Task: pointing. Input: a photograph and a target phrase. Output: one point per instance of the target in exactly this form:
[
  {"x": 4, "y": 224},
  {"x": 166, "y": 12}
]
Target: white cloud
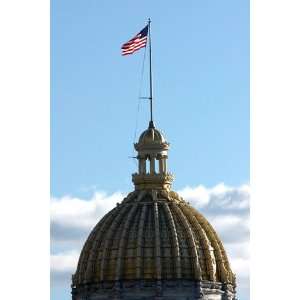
[
  {"x": 80, "y": 212},
  {"x": 240, "y": 266},
  {"x": 73, "y": 218},
  {"x": 199, "y": 196},
  {"x": 226, "y": 208},
  {"x": 64, "y": 262},
  {"x": 238, "y": 249},
  {"x": 219, "y": 197}
]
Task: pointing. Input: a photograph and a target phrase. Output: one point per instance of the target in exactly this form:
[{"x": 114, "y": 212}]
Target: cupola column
[
  {"x": 161, "y": 166},
  {"x": 164, "y": 164},
  {"x": 152, "y": 164},
  {"x": 142, "y": 165}
]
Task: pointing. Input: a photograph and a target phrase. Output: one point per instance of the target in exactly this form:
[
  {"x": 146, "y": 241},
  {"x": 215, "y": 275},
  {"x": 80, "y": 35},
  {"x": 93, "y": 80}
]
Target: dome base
[{"x": 158, "y": 290}]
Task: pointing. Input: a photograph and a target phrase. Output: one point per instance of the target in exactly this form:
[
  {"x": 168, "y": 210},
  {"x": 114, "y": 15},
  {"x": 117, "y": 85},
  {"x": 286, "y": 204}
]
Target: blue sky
[
  {"x": 201, "y": 93},
  {"x": 201, "y": 90}
]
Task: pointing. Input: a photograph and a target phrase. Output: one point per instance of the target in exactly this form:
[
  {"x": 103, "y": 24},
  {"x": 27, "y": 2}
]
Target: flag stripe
[
  {"x": 135, "y": 46},
  {"x": 132, "y": 51},
  {"x": 134, "y": 41},
  {"x": 137, "y": 42}
]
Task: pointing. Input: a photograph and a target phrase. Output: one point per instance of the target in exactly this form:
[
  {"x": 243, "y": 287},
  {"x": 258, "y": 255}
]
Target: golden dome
[{"x": 153, "y": 235}]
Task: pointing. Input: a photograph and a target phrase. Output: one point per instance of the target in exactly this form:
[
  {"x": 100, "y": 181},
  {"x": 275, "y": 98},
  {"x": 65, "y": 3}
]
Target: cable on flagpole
[{"x": 139, "y": 101}]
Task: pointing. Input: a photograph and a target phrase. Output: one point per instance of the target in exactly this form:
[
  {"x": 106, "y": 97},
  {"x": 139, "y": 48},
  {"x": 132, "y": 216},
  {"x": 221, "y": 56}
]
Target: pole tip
[{"x": 151, "y": 124}]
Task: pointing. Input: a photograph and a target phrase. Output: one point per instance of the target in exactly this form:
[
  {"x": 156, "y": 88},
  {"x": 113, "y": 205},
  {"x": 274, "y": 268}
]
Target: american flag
[{"x": 136, "y": 43}]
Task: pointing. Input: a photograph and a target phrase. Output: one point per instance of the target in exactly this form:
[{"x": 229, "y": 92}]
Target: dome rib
[
  {"x": 125, "y": 232},
  {"x": 139, "y": 243},
  {"x": 90, "y": 258},
  {"x": 100, "y": 241},
  {"x": 107, "y": 238},
  {"x": 93, "y": 243},
  {"x": 192, "y": 245},
  {"x": 223, "y": 273},
  {"x": 204, "y": 241},
  {"x": 176, "y": 250},
  {"x": 224, "y": 255},
  {"x": 157, "y": 241}
]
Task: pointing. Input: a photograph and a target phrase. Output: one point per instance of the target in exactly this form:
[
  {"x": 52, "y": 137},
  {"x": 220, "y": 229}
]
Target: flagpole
[{"x": 150, "y": 76}]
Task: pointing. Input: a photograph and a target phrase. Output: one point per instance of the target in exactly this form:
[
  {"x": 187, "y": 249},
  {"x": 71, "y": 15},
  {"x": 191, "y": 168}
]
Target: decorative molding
[{"x": 152, "y": 181}]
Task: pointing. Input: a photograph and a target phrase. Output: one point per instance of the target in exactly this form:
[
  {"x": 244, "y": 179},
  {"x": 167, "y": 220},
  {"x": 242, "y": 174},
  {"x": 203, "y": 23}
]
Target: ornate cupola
[{"x": 152, "y": 149}]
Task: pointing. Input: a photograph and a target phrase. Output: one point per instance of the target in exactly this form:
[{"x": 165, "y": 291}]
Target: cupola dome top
[{"x": 151, "y": 136}]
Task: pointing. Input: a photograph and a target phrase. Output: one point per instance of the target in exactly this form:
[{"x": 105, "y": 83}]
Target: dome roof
[
  {"x": 153, "y": 235},
  {"x": 151, "y": 136}
]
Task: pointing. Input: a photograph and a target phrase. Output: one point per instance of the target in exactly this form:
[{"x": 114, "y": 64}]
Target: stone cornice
[
  {"x": 154, "y": 146},
  {"x": 152, "y": 181}
]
